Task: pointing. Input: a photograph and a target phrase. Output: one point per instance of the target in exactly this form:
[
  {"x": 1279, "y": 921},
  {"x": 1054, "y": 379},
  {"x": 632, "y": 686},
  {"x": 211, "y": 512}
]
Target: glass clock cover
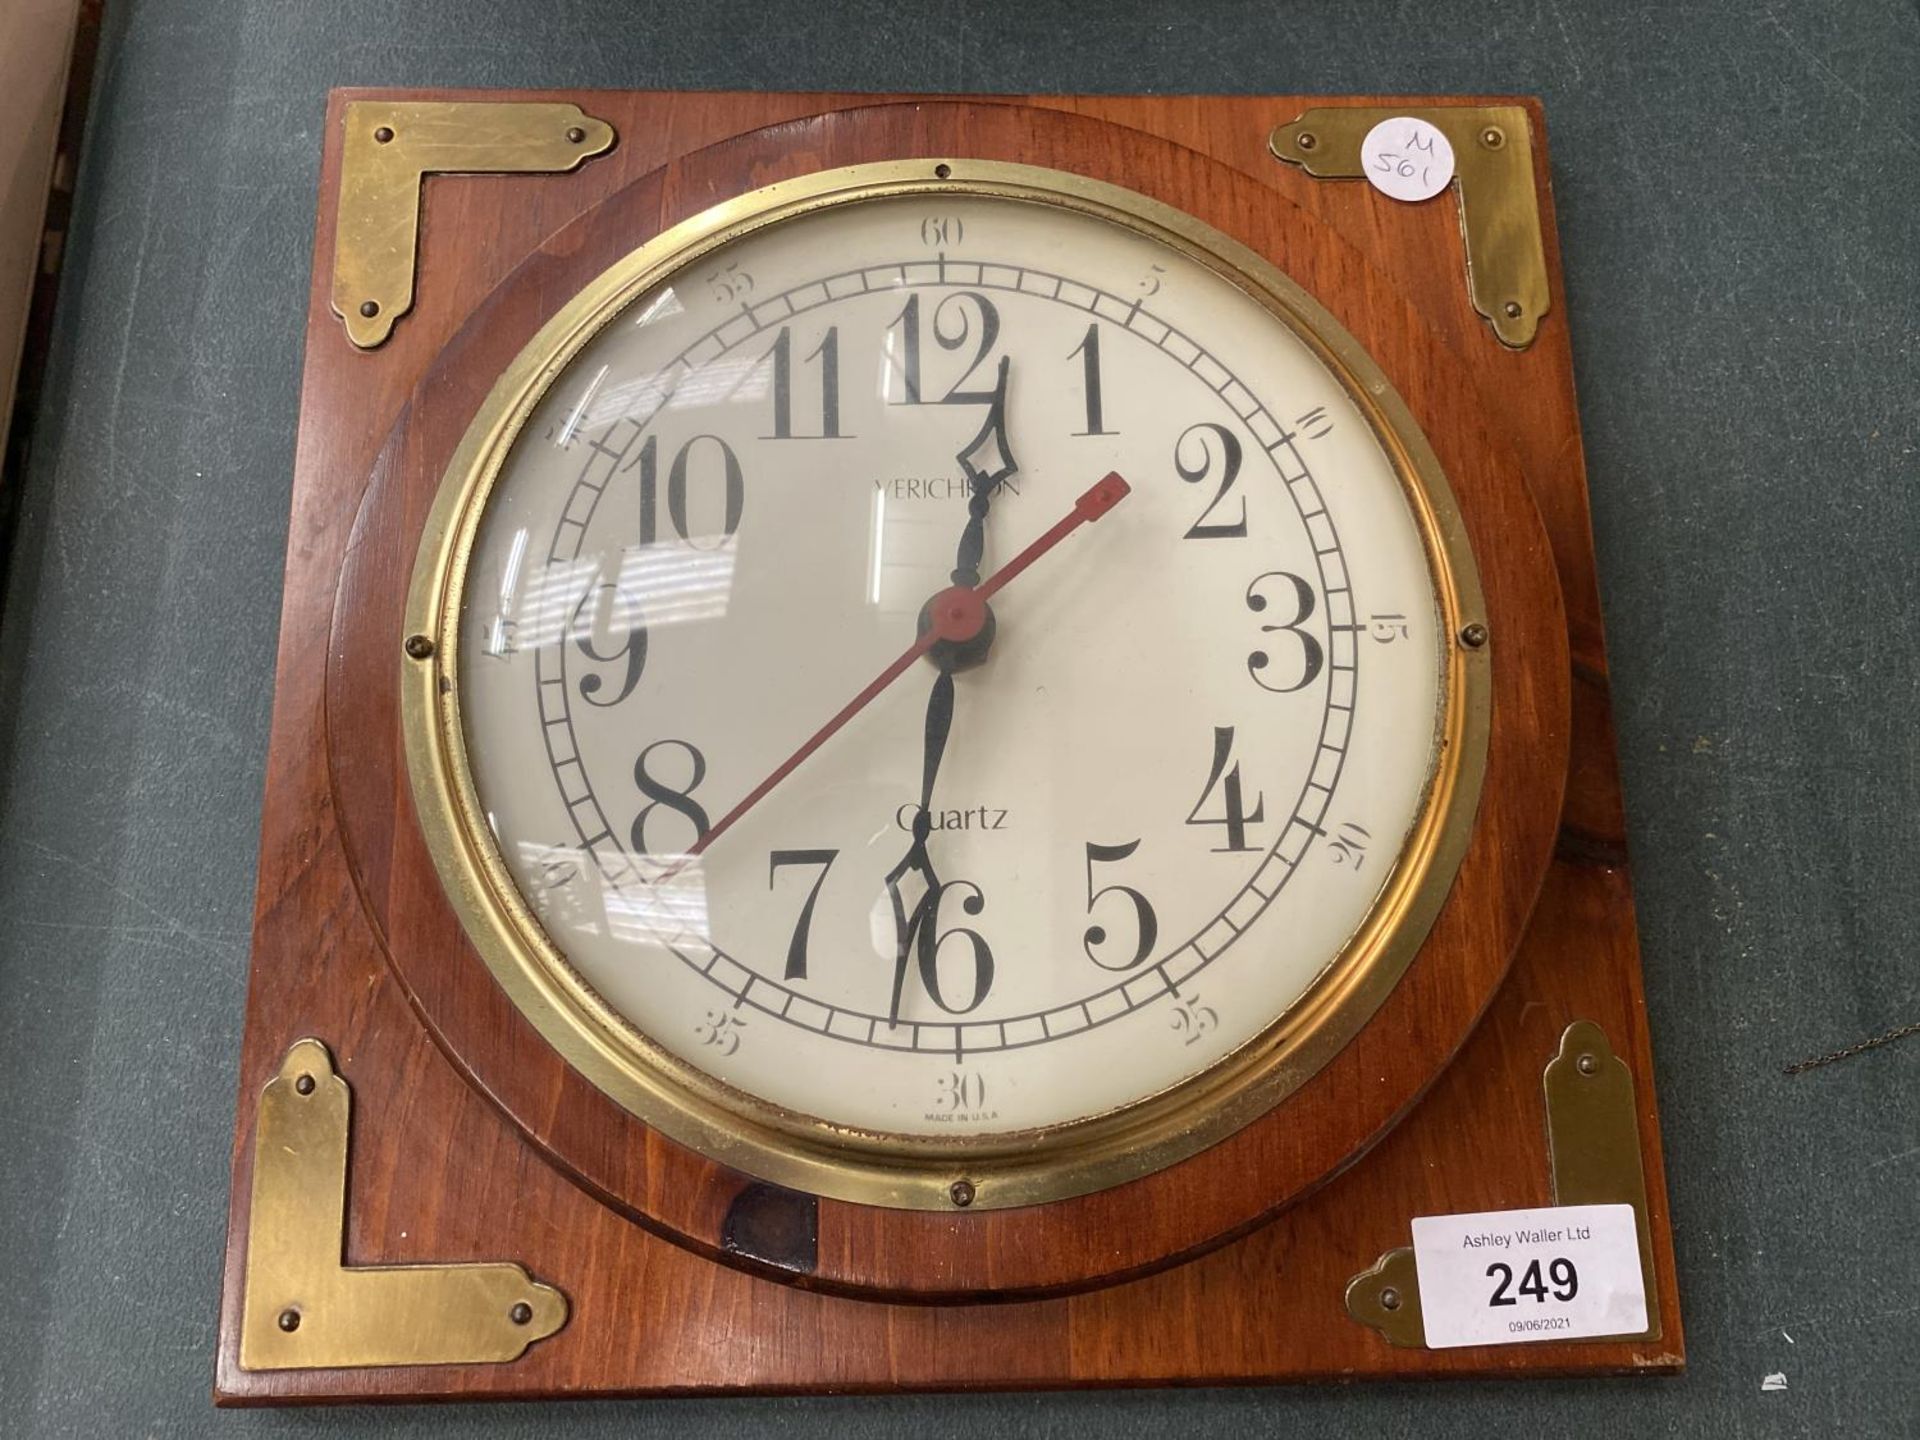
[{"x": 1095, "y": 832}]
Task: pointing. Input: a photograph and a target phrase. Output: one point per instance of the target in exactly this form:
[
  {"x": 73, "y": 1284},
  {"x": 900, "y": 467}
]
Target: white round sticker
[{"x": 1407, "y": 158}]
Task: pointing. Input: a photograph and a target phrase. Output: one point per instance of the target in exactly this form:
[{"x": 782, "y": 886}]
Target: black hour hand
[
  {"x": 988, "y": 458},
  {"x": 987, "y": 462}
]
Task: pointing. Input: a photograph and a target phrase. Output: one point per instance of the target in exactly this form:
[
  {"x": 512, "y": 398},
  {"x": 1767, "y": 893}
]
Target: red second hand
[{"x": 957, "y": 615}]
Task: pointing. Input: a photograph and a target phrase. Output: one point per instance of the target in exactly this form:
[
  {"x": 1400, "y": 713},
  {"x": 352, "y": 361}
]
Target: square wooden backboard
[{"x": 437, "y": 1174}]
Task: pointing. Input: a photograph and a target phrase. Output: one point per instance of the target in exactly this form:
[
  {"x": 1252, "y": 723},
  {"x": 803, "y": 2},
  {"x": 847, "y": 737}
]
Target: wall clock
[{"x": 916, "y": 737}]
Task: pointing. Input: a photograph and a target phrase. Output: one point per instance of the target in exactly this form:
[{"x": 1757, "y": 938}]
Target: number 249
[{"x": 1564, "y": 1279}]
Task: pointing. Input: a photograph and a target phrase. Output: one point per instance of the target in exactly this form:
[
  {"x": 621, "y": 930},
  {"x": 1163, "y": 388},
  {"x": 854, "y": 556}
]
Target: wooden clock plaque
[{"x": 512, "y": 1124}]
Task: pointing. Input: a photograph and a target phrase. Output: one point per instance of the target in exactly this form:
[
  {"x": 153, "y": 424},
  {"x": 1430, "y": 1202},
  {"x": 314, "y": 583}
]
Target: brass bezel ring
[{"x": 902, "y": 1171}]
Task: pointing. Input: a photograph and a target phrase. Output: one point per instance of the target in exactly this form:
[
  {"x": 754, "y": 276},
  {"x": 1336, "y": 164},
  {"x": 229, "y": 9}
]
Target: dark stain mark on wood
[
  {"x": 775, "y": 1226},
  {"x": 1583, "y": 847}
]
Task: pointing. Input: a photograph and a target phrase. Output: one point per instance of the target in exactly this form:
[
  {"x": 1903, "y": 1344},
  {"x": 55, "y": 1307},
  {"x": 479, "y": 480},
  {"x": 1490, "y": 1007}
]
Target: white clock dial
[{"x": 1166, "y": 796}]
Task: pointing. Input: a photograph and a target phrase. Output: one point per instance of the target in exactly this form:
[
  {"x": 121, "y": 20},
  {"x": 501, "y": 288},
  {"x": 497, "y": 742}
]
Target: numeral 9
[{"x": 605, "y": 610}]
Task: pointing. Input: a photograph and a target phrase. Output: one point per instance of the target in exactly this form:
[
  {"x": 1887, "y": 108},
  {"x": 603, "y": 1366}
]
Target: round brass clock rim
[{"x": 803, "y": 1152}]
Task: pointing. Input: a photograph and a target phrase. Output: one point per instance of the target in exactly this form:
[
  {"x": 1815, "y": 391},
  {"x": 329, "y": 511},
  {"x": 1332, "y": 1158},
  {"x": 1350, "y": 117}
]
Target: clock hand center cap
[
  {"x": 958, "y": 613},
  {"x": 963, "y": 623}
]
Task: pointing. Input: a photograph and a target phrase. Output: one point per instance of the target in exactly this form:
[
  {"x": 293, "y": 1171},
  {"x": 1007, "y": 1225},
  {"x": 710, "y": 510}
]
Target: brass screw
[
  {"x": 1306, "y": 140},
  {"x": 289, "y": 1320},
  {"x": 521, "y": 1313},
  {"x": 1389, "y": 1299},
  {"x": 1473, "y": 636},
  {"x": 304, "y": 1084},
  {"x": 369, "y": 308},
  {"x": 1493, "y": 137},
  {"x": 941, "y": 172},
  {"x": 384, "y": 134},
  {"x": 1513, "y": 309},
  {"x": 419, "y": 647},
  {"x": 576, "y": 134},
  {"x": 1587, "y": 1065},
  {"x": 962, "y": 1193}
]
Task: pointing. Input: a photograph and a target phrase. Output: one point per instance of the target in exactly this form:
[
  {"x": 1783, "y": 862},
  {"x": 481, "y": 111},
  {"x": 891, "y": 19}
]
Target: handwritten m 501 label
[
  {"x": 1407, "y": 158},
  {"x": 1507, "y": 1277}
]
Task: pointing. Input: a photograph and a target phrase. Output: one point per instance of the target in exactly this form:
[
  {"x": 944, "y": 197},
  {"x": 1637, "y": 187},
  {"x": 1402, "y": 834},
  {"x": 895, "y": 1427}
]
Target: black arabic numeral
[
  {"x": 594, "y": 617},
  {"x": 828, "y": 354},
  {"x": 939, "y": 230},
  {"x": 730, "y": 284},
  {"x": 1145, "y": 922},
  {"x": 1533, "y": 1283},
  {"x": 782, "y": 353},
  {"x": 952, "y": 330},
  {"x": 679, "y": 476},
  {"x": 797, "y": 946},
  {"x": 677, "y": 491},
  {"x": 1089, "y": 353},
  {"x": 1504, "y": 1275},
  {"x": 908, "y": 321},
  {"x": 1312, "y": 654},
  {"x": 1348, "y": 845},
  {"x": 558, "y": 867},
  {"x": 960, "y": 1090},
  {"x": 649, "y": 462},
  {"x": 1200, "y": 469},
  {"x": 1234, "y": 815},
  {"x": 1566, "y": 1279},
  {"x": 929, "y": 941},
  {"x": 1387, "y": 628},
  {"x": 957, "y": 306},
  {"x": 659, "y": 793}
]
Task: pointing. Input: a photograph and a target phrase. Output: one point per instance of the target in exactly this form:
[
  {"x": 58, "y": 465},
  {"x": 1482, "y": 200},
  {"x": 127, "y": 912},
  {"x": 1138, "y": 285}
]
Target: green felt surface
[{"x": 1739, "y": 197}]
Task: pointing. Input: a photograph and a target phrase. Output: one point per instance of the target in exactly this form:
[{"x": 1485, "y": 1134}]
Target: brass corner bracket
[
  {"x": 1493, "y": 173},
  {"x": 1593, "y": 1141},
  {"x": 303, "y": 1309},
  {"x": 391, "y": 146}
]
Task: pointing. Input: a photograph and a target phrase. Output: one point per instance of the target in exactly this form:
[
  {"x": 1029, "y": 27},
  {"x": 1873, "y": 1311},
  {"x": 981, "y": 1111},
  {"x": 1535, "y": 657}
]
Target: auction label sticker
[
  {"x": 1407, "y": 158},
  {"x": 1507, "y": 1277}
]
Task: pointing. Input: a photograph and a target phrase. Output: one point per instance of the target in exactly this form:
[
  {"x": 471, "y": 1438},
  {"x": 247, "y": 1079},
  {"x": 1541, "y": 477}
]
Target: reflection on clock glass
[{"x": 1100, "y": 826}]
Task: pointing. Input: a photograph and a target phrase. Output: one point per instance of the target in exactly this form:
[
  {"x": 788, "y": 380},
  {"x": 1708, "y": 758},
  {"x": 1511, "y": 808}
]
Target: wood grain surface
[{"x": 471, "y": 1141}]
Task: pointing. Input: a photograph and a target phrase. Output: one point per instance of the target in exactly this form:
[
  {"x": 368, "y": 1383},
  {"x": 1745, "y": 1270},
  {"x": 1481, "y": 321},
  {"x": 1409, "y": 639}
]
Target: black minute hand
[
  {"x": 908, "y": 927},
  {"x": 986, "y": 460},
  {"x": 960, "y": 616}
]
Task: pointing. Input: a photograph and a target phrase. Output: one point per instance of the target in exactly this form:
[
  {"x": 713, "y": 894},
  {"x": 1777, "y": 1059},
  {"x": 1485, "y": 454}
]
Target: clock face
[{"x": 861, "y": 750}]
